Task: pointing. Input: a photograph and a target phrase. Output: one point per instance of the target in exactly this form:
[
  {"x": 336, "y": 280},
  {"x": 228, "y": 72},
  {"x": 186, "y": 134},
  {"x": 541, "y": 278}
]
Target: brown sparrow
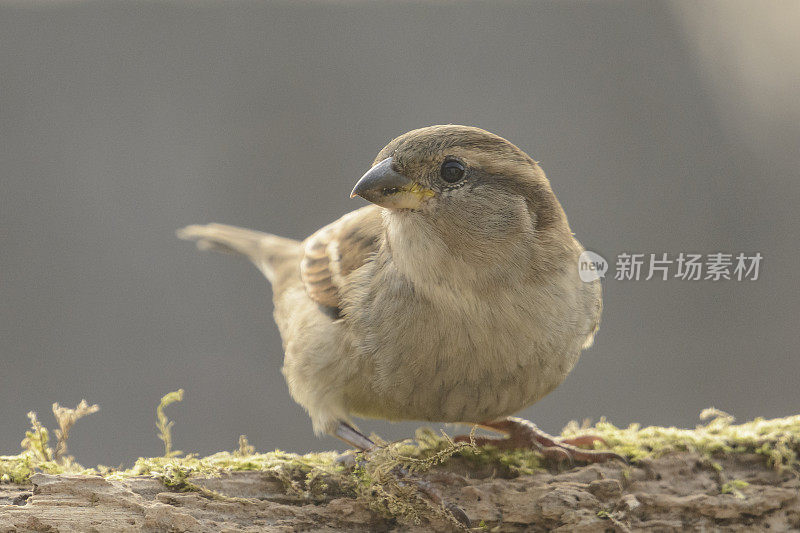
[{"x": 454, "y": 297}]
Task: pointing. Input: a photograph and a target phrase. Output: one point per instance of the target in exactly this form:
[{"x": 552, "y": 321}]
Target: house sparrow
[{"x": 454, "y": 297}]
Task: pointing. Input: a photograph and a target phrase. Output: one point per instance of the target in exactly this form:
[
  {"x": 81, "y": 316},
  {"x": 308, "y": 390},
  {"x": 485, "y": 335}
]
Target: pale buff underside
[{"x": 449, "y": 352}]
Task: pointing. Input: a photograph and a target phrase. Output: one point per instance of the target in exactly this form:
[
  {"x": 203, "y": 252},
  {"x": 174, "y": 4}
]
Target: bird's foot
[{"x": 524, "y": 434}]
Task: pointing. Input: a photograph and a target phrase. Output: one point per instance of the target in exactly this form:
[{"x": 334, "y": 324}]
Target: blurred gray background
[{"x": 664, "y": 127}]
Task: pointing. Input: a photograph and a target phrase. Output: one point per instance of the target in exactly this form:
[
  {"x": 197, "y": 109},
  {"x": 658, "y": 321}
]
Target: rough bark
[{"x": 677, "y": 492}]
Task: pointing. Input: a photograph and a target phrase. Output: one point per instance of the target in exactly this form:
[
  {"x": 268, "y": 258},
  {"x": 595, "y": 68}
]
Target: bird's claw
[{"x": 523, "y": 434}]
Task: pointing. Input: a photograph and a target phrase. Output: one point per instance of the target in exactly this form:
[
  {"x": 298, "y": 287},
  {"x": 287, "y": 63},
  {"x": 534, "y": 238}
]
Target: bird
[{"x": 453, "y": 296}]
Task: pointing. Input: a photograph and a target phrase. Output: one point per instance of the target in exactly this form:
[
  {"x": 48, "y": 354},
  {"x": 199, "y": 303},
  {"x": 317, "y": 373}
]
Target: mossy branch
[
  {"x": 778, "y": 440},
  {"x": 390, "y": 479}
]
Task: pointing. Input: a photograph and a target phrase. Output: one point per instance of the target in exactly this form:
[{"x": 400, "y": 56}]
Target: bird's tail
[{"x": 267, "y": 252}]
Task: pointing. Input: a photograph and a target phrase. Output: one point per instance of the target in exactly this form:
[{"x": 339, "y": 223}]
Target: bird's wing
[{"x": 336, "y": 250}]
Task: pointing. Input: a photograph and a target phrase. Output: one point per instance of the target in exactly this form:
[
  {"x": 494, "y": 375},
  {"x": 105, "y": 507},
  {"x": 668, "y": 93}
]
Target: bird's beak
[{"x": 384, "y": 187}]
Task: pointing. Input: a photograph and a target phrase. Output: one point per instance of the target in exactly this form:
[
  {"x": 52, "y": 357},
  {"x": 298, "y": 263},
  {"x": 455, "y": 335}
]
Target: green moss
[
  {"x": 734, "y": 487},
  {"x": 384, "y": 479},
  {"x": 16, "y": 468},
  {"x": 164, "y": 424},
  {"x": 778, "y": 440},
  {"x": 301, "y": 474},
  {"x": 427, "y": 446},
  {"x": 37, "y": 455}
]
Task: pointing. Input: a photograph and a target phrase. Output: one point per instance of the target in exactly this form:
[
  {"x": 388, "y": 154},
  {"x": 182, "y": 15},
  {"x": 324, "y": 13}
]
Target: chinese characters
[{"x": 685, "y": 266}]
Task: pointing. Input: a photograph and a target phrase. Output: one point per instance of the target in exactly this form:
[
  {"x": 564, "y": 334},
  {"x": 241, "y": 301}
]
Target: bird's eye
[{"x": 452, "y": 171}]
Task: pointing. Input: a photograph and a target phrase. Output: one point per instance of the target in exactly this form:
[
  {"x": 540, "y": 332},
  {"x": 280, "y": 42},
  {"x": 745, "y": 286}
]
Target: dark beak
[{"x": 383, "y": 186}]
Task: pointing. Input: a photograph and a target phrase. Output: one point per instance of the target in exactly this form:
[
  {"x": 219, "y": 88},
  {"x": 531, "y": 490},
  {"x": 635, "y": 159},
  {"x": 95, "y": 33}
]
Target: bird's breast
[{"x": 449, "y": 353}]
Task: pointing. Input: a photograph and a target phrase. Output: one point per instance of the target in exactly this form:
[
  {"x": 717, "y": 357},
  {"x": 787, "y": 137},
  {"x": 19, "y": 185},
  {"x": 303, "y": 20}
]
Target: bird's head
[{"x": 463, "y": 177}]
